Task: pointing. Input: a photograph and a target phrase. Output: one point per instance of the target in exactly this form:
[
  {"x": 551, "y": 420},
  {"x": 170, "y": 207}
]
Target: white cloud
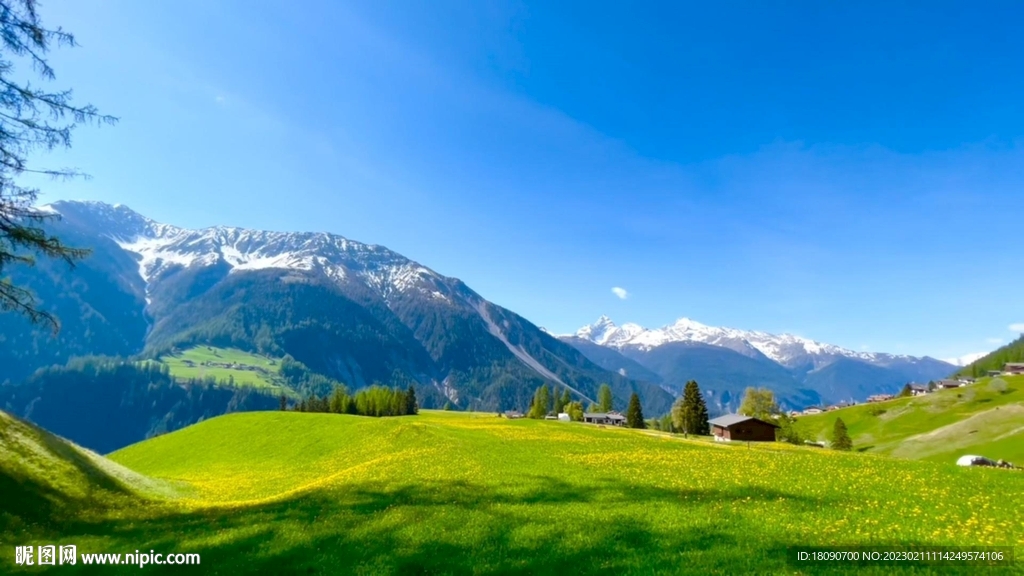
[
  {"x": 994, "y": 340},
  {"x": 1018, "y": 327},
  {"x": 620, "y": 292},
  {"x": 220, "y": 99},
  {"x": 965, "y": 359}
]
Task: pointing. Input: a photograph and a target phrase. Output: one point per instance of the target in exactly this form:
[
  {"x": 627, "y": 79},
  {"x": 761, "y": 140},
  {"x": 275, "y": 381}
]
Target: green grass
[
  {"x": 266, "y": 377},
  {"x": 449, "y": 492},
  {"x": 977, "y": 419}
]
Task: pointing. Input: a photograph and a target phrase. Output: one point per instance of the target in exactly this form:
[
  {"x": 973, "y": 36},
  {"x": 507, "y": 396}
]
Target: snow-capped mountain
[
  {"x": 355, "y": 312},
  {"x": 726, "y": 360},
  {"x": 161, "y": 248},
  {"x": 786, "y": 349}
]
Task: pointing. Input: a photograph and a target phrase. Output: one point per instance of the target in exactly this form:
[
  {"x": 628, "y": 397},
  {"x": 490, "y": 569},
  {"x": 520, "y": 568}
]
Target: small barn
[
  {"x": 742, "y": 429},
  {"x": 608, "y": 419}
]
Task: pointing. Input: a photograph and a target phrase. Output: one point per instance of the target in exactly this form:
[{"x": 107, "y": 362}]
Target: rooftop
[{"x": 733, "y": 419}]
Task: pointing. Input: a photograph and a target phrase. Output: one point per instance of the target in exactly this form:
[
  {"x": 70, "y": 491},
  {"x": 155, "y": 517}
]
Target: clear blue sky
[{"x": 851, "y": 172}]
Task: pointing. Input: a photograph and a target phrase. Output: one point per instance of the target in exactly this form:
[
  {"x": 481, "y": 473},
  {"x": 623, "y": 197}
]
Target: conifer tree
[
  {"x": 32, "y": 119},
  {"x": 284, "y": 402},
  {"x": 690, "y": 412},
  {"x": 411, "y": 407},
  {"x": 605, "y": 402},
  {"x": 541, "y": 402},
  {"x": 840, "y": 437},
  {"x": 634, "y": 414}
]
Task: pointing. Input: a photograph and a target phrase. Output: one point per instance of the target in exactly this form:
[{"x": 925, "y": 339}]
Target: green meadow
[
  {"x": 252, "y": 369},
  {"x": 458, "y": 493},
  {"x": 985, "y": 418}
]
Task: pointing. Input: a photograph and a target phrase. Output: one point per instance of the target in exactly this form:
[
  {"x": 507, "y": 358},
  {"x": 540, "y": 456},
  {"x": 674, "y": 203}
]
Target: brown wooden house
[{"x": 735, "y": 427}]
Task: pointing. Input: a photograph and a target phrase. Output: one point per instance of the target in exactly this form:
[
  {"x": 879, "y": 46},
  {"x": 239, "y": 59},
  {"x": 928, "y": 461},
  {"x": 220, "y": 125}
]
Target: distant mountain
[
  {"x": 355, "y": 312},
  {"x": 612, "y": 360},
  {"x": 800, "y": 370}
]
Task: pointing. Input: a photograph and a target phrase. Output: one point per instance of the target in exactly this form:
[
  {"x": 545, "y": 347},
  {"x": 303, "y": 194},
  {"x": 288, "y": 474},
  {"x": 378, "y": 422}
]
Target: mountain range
[
  {"x": 725, "y": 361},
  {"x": 354, "y": 312},
  {"x": 363, "y": 314}
]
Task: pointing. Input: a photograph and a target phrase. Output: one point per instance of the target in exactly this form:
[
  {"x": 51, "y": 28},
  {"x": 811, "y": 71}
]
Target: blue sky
[{"x": 847, "y": 172}]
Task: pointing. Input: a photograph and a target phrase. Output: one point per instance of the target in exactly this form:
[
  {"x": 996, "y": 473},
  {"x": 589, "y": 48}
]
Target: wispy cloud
[
  {"x": 994, "y": 340},
  {"x": 620, "y": 292},
  {"x": 1018, "y": 327}
]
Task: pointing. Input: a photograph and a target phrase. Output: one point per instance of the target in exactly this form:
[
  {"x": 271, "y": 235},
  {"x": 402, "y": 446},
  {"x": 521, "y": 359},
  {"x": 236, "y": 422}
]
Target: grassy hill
[
  {"x": 454, "y": 493},
  {"x": 985, "y": 418},
  {"x": 48, "y": 483}
]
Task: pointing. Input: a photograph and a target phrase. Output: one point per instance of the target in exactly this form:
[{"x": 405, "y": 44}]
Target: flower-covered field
[{"x": 458, "y": 493}]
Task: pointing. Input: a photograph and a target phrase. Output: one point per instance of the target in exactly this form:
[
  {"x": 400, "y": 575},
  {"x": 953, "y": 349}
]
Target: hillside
[
  {"x": 985, "y": 418},
  {"x": 1012, "y": 352},
  {"x": 452, "y": 492},
  {"x": 105, "y": 404},
  {"x": 47, "y": 481}
]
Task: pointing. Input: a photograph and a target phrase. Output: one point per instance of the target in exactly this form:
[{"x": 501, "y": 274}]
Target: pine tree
[
  {"x": 284, "y": 402},
  {"x": 906, "y": 391},
  {"x": 840, "y": 437},
  {"x": 411, "y": 407},
  {"x": 541, "y": 402},
  {"x": 690, "y": 412},
  {"x": 605, "y": 402},
  {"x": 634, "y": 414},
  {"x": 562, "y": 400},
  {"x": 33, "y": 120}
]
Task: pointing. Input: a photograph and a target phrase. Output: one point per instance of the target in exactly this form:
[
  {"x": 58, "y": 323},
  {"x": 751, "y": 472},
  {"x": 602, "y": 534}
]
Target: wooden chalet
[{"x": 735, "y": 427}]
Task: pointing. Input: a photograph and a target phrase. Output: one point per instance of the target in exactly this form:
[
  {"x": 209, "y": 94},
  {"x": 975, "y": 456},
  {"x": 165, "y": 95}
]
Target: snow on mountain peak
[
  {"x": 161, "y": 247},
  {"x": 786, "y": 349}
]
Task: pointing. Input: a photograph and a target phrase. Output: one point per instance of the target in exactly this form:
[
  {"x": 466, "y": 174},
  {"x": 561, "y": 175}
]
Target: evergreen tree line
[
  {"x": 547, "y": 402},
  {"x": 374, "y": 401}
]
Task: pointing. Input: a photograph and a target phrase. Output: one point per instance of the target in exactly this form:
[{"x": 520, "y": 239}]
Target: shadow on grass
[{"x": 541, "y": 525}]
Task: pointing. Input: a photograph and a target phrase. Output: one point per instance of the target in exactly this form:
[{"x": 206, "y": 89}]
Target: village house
[
  {"x": 949, "y": 383},
  {"x": 739, "y": 428},
  {"x": 608, "y": 419},
  {"x": 812, "y": 410},
  {"x": 879, "y": 397},
  {"x": 918, "y": 389},
  {"x": 1013, "y": 368},
  {"x": 513, "y": 414}
]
